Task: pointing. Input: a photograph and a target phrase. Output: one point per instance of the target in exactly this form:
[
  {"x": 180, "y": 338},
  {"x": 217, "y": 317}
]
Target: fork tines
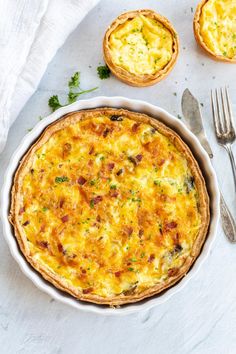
[{"x": 222, "y": 115}]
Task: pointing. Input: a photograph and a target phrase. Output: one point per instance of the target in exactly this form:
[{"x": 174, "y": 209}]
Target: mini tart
[
  {"x": 110, "y": 206},
  {"x": 215, "y": 29},
  {"x": 141, "y": 47}
]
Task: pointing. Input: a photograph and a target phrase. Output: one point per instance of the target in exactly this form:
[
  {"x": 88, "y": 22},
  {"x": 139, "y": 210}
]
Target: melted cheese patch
[
  {"x": 141, "y": 45},
  {"x": 109, "y": 206},
  {"x": 218, "y": 27}
]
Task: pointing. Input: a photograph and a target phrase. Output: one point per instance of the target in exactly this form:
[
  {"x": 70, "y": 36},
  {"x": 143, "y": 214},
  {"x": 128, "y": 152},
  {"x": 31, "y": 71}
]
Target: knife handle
[{"x": 227, "y": 221}]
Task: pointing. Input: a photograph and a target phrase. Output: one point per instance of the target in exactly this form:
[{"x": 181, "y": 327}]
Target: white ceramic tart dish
[
  {"x": 141, "y": 47},
  {"x": 214, "y": 29},
  {"x": 198, "y": 153}
]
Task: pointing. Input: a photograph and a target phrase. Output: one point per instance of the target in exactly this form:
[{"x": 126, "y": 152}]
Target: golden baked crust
[
  {"x": 147, "y": 219},
  {"x": 146, "y": 79},
  {"x": 199, "y": 37}
]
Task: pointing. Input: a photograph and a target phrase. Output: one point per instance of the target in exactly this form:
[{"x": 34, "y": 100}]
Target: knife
[{"x": 192, "y": 114}]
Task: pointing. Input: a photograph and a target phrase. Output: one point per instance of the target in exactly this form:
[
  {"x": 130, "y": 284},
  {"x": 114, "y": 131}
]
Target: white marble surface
[{"x": 199, "y": 319}]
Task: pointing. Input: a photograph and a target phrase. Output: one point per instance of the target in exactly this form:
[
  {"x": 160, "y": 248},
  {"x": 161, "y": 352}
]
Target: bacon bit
[
  {"x": 163, "y": 197},
  {"x": 42, "y": 228},
  {"x": 66, "y": 150},
  {"x": 26, "y": 223},
  {"x": 116, "y": 118},
  {"x": 135, "y": 127},
  {"x": 83, "y": 194},
  {"x": 62, "y": 201},
  {"x": 65, "y": 218},
  {"x": 114, "y": 194},
  {"x": 42, "y": 244},
  {"x": 140, "y": 233},
  {"x": 42, "y": 170},
  {"x": 139, "y": 157},
  {"x": 97, "y": 199},
  {"x": 105, "y": 133},
  {"x": 87, "y": 291},
  {"x": 98, "y": 218},
  {"x": 173, "y": 271},
  {"x": 133, "y": 160},
  {"x": 60, "y": 165},
  {"x": 120, "y": 172},
  {"x": 110, "y": 166},
  {"x": 128, "y": 230},
  {"x": 32, "y": 171},
  {"x": 118, "y": 274},
  {"x": 178, "y": 248},
  {"x": 151, "y": 258},
  {"x": 90, "y": 163},
  {"x": 153, "y": 130},
  {"x": 176, "y": 239},
  {"x": 83, "y": 271},
  {"x": 170, "y": 225},
  {"x": 61, "y": 248},
  {"x": 130, "y": 291},
  {"x": 91, "y": 151},
  {"x": 166, "y": 198},
  {"x": 161, "y": 162},
  {"x": 22, "y": 210},
  {"x": 81, "y": 180},
  {"x": 76, "y": 137}
]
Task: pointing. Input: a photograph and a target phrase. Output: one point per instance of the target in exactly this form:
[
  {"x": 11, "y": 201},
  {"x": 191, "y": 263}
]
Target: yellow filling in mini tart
[
  {"x": 141, "y": 45},
  {"x": 218, "y": 27}
]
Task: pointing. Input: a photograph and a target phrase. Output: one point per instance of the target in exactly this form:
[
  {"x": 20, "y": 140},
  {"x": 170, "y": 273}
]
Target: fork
[{"x": 224, "y": 125}]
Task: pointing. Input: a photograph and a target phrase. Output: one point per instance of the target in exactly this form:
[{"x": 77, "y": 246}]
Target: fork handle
[
  {"x": 227, "y": 221},
  {"x": 232, "y": 160}
]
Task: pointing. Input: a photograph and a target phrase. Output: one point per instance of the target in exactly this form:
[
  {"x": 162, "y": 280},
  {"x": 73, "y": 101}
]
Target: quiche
[
  {"x": 215, "y": 28},
  {"x": 141, "y": 47},
  {"x": 110, "y": 206}
]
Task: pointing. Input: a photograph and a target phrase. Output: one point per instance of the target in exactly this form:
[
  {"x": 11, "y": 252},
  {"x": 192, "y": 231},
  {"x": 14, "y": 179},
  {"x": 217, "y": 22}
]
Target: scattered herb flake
[
  {"x": 103, "y": 72},
  {"x": 61, "y": 179}
]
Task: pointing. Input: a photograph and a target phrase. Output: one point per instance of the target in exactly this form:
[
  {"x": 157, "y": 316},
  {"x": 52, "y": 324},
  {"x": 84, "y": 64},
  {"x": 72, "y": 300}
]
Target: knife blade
[{"x": 192, "y": 115}]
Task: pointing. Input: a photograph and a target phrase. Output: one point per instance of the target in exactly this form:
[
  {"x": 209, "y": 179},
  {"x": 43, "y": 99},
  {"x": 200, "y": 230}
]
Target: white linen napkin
[{"x": 31, "y": 31}]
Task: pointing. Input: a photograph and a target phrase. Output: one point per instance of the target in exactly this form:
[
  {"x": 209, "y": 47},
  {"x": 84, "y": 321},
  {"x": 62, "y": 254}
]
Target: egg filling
[
  {"x": 109, "y": 205},
  {"x": 218, "y": 27},
  {"x": 141, "y": 45}
]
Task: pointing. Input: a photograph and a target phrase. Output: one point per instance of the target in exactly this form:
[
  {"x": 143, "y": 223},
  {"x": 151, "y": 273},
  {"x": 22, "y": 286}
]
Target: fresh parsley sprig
[
  {"x": 74, "y": 92},
  {"x": 54, "y": 103}
]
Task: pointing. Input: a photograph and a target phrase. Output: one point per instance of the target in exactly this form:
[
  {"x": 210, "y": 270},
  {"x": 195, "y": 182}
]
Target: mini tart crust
[
  {"x": 199, "y": 39},
  {"x": 126, "y": 76},
  {"x": 54, "y": 278}
]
